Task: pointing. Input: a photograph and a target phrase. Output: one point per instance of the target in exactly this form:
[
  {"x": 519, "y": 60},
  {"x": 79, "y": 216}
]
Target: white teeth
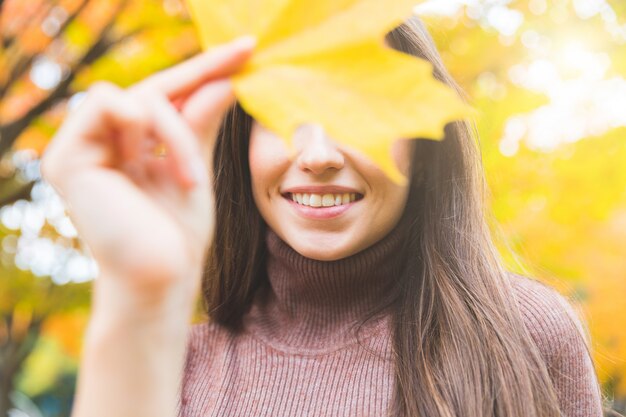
[
  {"x": 328, "y": 200},
  {"x": 323, "y": 200},
  {"x": 315, "y": 200}
]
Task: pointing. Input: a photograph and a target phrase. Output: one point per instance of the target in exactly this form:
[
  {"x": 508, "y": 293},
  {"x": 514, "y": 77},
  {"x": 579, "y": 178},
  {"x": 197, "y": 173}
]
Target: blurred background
[{"x": 546, "y": 76}]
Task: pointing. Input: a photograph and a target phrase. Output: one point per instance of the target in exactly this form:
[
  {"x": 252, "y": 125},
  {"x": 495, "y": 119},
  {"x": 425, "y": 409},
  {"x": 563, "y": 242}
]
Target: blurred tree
[
  {"x": 27, "y": 303},
  {"x": 50, "y": 51}
]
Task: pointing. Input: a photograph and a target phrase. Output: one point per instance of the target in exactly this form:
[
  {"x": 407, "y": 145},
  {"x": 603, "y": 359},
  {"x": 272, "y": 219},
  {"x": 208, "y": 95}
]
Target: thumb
[{"x": 205, "y": 108}]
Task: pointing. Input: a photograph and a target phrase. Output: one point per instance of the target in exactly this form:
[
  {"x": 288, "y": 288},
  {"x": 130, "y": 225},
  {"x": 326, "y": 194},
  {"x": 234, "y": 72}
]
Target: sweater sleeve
[{"x": 559, "y": 334}]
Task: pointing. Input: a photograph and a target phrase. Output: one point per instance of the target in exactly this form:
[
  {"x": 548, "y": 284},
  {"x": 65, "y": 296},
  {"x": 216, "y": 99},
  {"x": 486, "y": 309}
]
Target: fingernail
[{"x": 246, "y": 41}]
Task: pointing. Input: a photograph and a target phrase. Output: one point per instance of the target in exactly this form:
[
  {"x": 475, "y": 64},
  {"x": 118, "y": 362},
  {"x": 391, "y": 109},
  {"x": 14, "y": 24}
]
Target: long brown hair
[{"x": 460, "y": 345}]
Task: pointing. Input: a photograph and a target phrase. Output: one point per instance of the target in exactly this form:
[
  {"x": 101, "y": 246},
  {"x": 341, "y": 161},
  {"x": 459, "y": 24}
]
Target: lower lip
[{"x": 321, "y": 212}]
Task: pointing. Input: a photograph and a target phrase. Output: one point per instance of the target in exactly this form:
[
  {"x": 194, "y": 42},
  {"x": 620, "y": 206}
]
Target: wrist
[{"x": 136, "y": 295}]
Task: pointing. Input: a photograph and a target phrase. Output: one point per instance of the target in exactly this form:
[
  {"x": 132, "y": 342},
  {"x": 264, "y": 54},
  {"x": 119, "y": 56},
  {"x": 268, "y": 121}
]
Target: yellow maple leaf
[{"x": 325, "y": 62}]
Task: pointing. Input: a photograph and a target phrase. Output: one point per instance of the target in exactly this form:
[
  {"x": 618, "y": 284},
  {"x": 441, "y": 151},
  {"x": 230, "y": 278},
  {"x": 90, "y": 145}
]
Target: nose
[{"x": 316, "y": 152}]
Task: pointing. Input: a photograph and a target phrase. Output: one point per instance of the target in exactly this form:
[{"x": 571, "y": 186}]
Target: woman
[{"x": 330, "y": 289}]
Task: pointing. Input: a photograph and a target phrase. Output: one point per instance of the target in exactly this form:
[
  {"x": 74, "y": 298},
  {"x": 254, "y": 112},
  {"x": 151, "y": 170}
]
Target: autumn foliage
[{"x": 547, "y": 80}]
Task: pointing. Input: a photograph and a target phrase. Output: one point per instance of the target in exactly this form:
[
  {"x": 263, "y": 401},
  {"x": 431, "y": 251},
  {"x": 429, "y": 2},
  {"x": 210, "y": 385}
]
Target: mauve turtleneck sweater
[{"x": 301, "y": 352}]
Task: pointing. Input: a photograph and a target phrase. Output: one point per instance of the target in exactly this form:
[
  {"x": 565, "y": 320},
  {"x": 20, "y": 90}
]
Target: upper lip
[{"x": 320, "y": 189}]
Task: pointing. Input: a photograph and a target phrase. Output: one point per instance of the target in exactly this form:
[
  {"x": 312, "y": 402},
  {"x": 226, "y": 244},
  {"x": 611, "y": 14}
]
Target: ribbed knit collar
[{"x": 315, "y": 305}]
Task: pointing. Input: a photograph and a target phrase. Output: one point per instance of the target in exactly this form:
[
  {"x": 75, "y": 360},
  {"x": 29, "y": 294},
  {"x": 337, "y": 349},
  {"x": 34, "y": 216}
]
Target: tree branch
[
  {"x": 14, "y": 354},
  {"x": 11, "y": 131},
  {"x": 24, "y": 62},
  {"x": 22, "y": 192},
  {"x": 42, "y": 11}
]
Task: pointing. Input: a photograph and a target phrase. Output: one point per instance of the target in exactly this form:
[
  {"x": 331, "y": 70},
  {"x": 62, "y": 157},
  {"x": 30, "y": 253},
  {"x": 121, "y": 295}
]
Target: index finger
[{"x": 219, "y": 62}]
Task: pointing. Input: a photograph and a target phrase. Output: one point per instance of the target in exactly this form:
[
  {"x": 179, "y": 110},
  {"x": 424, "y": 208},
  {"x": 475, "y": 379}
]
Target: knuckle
[
  {"x": 99, "y": 93},
  {"x": 144, "y": 90},
  {"x": 145, "y": 97},
  {"x": 102, "y": 88},
  {"x": 140, "y": 112},
  {"x": 105, "y": 98}
]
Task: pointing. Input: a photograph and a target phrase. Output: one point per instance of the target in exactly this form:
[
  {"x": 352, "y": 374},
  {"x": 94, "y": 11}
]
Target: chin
[
  {"x": 326, "y": 254},
  {"x": 321, "y": 248}
]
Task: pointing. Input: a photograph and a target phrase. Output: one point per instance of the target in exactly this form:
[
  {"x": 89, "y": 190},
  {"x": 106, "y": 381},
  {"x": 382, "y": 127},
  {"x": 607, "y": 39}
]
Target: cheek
[
  {"x": 268, "y": 157},
  {"x": 401, "y": 151}
]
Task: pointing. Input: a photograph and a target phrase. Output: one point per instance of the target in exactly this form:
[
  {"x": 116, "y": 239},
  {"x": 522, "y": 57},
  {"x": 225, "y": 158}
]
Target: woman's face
[{"x": 343, "y": 202}]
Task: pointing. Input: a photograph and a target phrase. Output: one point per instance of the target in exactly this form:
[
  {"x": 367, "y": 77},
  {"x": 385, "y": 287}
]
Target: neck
[{"x": 311, "y": 303}]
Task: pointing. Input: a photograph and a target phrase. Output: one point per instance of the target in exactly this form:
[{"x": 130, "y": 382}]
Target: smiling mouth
[{"x": 323, "y": 200}]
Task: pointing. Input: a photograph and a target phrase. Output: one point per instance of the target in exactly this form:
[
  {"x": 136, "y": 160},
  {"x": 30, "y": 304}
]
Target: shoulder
[
  {"x": 561, "y": 337},
  {"x": 548, "y": 316},
  {"x": 207, "y": 344},
  {"x": 206, "y": 336}
]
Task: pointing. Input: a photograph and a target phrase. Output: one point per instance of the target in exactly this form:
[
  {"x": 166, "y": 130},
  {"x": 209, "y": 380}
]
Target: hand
[{"x": 147, "y": 221}]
